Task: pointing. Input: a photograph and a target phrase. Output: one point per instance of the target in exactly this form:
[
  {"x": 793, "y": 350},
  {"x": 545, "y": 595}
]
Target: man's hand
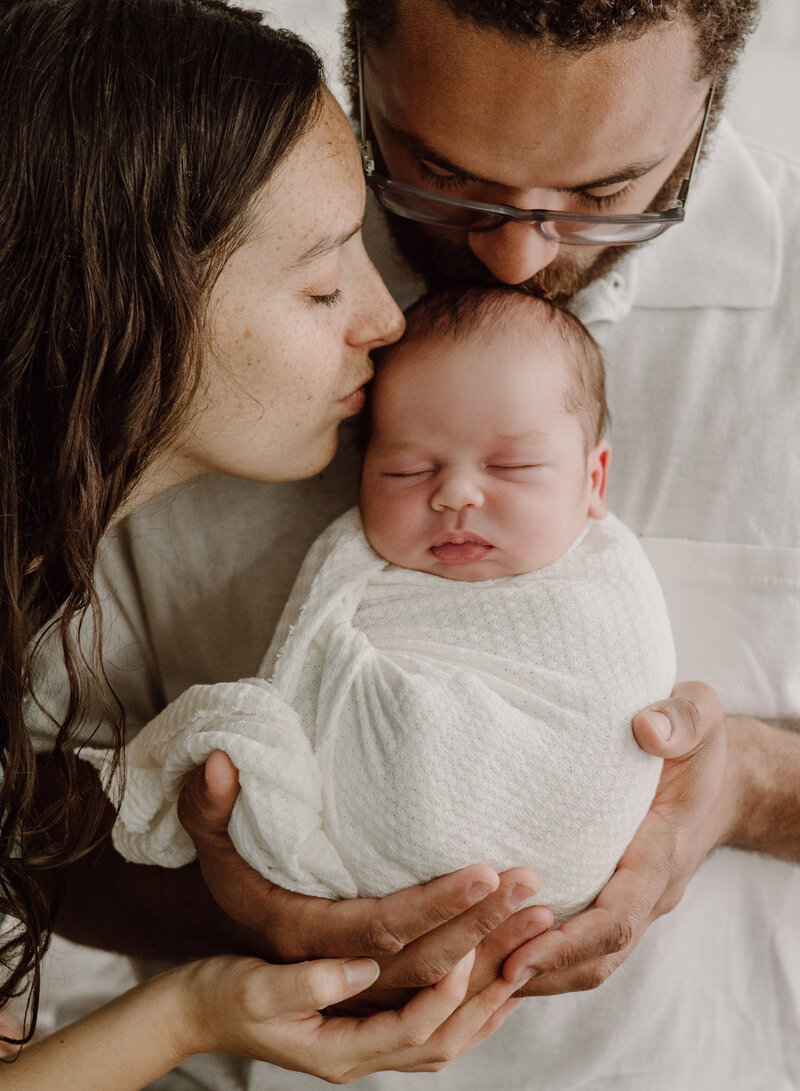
[
  {"x": 416, "y": 935},
  {"x": 691, "y": 814}
]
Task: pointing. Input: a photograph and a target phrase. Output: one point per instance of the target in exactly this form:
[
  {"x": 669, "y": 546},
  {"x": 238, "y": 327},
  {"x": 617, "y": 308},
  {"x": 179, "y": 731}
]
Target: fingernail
[
  {"x": 520, "y": 895},
  {"x": 660, "y": 723},
  {"x": 478, "y": 891},
  {"x": 532, "y": 931},
  {"x": 523, "y": 975},
  {"x": 361, "y": 972}
]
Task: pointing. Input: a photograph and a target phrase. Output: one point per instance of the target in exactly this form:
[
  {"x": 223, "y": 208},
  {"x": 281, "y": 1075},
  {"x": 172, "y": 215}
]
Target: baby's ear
[{"x": 597, "y": 470}]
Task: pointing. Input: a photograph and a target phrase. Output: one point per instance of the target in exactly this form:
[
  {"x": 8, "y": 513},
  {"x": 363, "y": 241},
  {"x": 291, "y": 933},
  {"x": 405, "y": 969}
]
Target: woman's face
[{"x": 291, "y": 319}]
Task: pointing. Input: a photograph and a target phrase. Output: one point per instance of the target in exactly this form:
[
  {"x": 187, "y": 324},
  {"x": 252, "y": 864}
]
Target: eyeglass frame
[{"x": 510, "y": 213}]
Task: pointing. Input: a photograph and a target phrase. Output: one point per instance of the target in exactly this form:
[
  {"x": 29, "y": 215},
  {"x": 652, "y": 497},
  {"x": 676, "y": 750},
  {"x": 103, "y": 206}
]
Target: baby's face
[{"x": 476, "y": 469}]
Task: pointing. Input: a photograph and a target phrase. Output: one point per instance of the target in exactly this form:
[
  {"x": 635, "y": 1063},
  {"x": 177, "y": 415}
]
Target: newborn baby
[{"x": 454, "y": 676}]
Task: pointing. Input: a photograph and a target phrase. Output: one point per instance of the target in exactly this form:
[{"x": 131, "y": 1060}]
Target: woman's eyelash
[{"x": 328, "y": 300}]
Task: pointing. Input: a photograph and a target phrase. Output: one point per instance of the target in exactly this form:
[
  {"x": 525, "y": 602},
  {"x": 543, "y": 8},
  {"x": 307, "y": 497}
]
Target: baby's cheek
[{"x": 385, "y": 527}]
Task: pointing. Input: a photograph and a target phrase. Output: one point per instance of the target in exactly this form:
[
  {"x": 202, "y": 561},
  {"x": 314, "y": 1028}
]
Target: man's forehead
[{"x": 484, "y": 100}]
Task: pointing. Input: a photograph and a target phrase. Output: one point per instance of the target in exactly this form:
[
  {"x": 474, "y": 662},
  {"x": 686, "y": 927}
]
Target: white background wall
[{"x": 765, "y": 103}]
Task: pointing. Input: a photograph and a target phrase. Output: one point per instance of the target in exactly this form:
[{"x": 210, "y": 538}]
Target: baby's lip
[{"x": 458, "y": 537}]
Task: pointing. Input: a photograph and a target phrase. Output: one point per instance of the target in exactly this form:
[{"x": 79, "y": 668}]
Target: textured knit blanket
[{"x": 412, "y": 725}]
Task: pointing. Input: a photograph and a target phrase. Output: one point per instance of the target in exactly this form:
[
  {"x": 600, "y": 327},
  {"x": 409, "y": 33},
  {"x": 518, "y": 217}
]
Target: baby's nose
[{"x": 456, "y": 491}]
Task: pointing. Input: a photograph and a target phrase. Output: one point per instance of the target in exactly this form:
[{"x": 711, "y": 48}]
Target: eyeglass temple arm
[
  {"x": 365, "y": 145},
  {"x": 684, "y": 190}
]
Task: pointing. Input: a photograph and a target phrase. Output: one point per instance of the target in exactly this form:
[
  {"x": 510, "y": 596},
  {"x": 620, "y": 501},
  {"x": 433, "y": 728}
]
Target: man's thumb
[{"x": 208, "y": 795}]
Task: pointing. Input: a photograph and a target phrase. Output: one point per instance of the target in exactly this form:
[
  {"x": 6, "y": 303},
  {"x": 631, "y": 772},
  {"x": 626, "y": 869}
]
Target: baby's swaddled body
[{"x": 413, "y": 725}]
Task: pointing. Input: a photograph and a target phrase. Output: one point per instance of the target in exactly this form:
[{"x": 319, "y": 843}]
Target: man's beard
[{"x": 443, "y": 263}]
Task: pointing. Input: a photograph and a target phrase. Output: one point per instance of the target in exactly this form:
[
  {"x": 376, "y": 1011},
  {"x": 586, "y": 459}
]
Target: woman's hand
[
  {"x": 271, "y": 1013},
  {"x": 416, "y": 935},
  {"x": 245, "y": 1006}
]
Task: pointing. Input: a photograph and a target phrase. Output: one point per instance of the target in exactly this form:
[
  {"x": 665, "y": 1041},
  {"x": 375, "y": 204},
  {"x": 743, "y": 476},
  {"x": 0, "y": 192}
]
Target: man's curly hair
[{"x": 722, "y": 26}]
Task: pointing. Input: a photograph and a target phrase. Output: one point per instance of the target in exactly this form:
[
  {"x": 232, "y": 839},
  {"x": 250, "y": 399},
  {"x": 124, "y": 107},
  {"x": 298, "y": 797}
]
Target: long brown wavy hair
[{"x": 135, "y": 134}]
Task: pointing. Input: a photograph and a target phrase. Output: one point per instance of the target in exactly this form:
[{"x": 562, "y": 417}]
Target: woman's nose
[
  {"x": 513, "y": 252},
  {"x": 379, "y": 321},
  {"x": 454, "y": 492}
]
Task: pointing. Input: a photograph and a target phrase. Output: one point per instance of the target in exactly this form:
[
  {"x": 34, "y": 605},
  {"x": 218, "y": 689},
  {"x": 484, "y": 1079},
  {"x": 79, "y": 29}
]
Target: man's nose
[
  {"x": 455, "y": 492},
  {"x": 513, "y": 252}
]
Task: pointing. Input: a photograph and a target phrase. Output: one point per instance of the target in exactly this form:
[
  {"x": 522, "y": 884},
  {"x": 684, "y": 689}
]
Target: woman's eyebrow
[
  {"x": 418, "y": 147},
  {"x": 326, "y": 244}
]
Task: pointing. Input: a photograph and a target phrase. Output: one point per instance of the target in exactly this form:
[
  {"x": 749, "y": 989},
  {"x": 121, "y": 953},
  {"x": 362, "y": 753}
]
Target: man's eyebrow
[
  {"x": 418, "y": 147},
  {"x": 325, "y": 245}
]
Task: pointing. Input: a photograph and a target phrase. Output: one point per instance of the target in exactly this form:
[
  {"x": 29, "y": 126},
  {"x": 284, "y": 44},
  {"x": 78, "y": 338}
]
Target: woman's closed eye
[{"x": 329, "y": 299}]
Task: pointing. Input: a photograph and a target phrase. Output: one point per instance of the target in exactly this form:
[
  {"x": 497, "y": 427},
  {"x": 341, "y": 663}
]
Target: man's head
[
  {"x": 486, "y": 455},
  {"x": 568, "y": 106}
]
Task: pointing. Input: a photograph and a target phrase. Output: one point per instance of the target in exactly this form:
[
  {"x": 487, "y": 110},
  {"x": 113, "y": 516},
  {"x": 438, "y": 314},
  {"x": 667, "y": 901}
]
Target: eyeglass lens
[{"x": 417, "y": 205}]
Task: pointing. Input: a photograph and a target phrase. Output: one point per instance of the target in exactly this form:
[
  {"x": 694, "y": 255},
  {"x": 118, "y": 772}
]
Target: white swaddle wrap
[{"x": 413, "y": 725}]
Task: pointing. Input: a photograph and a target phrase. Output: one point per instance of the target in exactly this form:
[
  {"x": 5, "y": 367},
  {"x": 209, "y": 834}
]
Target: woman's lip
[{"x": 354, "y": 401}]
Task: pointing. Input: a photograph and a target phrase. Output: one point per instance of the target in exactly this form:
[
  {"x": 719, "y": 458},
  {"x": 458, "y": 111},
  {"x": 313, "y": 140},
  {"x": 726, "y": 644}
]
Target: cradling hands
[
  {"x": 691, "y": 814},
  {"x": 417, "y": 936}
]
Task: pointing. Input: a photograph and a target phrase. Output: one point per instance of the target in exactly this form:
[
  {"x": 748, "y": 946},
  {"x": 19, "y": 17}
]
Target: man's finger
[
  {"x": 431, "y": 956},
  {"x": 514, "y": 933},
  {"x": 207, "y": 798},
  {"x": 677, "y": 726},
  {"x": 591, "y": 941},
  {"x": 384, "y": 927}
]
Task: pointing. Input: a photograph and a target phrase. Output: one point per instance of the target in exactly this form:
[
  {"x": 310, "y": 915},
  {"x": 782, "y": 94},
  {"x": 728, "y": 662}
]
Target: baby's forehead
[{"x": 479, "y": 357}]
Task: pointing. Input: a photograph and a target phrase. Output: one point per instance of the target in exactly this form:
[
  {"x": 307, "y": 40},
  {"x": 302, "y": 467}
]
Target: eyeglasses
[{"x": 568, "y": 228}]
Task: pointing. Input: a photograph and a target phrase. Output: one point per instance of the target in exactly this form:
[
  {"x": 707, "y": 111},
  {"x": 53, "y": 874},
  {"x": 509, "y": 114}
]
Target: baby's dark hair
[{"x": 461, "y": 312}]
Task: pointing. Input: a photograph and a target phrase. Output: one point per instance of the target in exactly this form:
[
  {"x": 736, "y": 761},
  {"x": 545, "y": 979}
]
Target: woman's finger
[
  {"x": 436, "y": 1026},
  {"x": 312, "y": 986},
  {"x": 493, "y": 1023}
]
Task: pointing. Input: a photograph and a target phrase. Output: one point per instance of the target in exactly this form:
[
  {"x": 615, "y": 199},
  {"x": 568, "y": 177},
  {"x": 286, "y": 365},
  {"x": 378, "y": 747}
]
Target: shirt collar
[{"x": 727, "y": 252}]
